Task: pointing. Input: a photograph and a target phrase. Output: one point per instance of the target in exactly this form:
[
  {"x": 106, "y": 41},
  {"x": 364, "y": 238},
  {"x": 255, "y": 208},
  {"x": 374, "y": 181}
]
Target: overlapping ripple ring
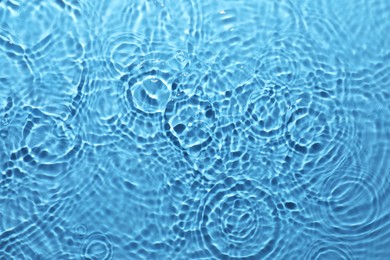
[
  {"x": 54, "y": 32},
  {"x": 189, "y": 123},
  {"x": 239, "y": 220},
  {"x": 60, "y": 143},
  {"x": 272, "y": 90},
  {"x": 350, "y": 199},
  {"x": 146, "y": 73},
  {"x": 97, "y": 246},
  {"x": 267, "y": 110},
  {"x": 121, "y": 50},
  {"x": 319, "y": 131}
]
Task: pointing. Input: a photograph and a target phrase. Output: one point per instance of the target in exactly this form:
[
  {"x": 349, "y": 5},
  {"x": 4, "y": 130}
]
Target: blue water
[{"x": 194, "y": 129}]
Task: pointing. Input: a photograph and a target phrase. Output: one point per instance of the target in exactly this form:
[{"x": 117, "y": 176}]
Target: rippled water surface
[{"x": 191, "y": 129}]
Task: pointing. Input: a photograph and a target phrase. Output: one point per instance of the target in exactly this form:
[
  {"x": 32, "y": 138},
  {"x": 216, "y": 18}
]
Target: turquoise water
[{"x": 164, "y": 129}]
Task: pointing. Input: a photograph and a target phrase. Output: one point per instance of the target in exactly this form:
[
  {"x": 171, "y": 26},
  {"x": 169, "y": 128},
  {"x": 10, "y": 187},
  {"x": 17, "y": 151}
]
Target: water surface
[{"x": 163, "y": 129}]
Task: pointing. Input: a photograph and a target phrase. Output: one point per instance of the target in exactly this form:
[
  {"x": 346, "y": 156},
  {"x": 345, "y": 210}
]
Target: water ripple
[
  {"x": 192, "y": 129},
  {"x": 350, "y": 199},
  {"x": 322, "y": 250},
  {"x": 97, "y": 246},
  {"x": 239, "y": 219}
]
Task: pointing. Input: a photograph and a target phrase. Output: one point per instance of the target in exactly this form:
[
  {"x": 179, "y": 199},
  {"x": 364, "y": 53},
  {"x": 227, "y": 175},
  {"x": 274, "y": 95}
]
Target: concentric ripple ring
[
  {"x": 239, "y": 220},
  {"x": 97, "y": 246}
]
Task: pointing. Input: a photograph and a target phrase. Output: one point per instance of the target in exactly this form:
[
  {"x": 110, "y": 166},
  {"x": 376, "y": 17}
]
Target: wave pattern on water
[{"x": 163, "y": 129}]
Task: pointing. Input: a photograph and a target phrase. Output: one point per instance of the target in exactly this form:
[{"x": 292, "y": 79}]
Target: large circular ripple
[
  {"x": 47, "y": 143},
  {"x": 239, "y": 220},
  {"x": 319, "y": 131},
  {"x": 351, "y": 202}
]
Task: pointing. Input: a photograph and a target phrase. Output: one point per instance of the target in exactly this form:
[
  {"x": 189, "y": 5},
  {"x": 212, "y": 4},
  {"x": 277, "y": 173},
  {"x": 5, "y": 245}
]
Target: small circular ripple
[
  {"x": 150, "y": 95},
  {"x": 80, "y": 230},
  {"x": 97, "y": 246},
  {"x": 239, "y": 219}
]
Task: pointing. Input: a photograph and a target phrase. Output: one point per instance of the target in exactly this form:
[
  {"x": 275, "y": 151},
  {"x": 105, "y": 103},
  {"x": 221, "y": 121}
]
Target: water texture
[{"x": 164, "y": 129}]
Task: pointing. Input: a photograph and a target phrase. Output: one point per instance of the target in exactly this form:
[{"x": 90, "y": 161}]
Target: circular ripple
[
  {"x": 121, "y": 51},
  {"x": 350, "y": 201},
  {"x": 80, "y": 230},
  {"x": 267, "y": 109},
  {"x": 150, "y": 95},
  {"x": 279, "y": 64},
  {"x": 319, "y": 131},
  {"x": 97, "y": 246},
  {"x": 319, "y": 250},
  {"x": 239, "y": 219},
  {"x": 143, "y": 75},
  {"x": 189, "y": 123},
  {"x": 48, "y": 144},
  {"x": 41, "y": 18},
  {"x": 227, "y": 26},
  {"x": 133, "y": 56}
]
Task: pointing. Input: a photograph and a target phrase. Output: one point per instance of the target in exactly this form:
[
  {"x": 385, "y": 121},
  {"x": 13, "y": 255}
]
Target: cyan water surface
[{"x": 194, "y": 129}]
